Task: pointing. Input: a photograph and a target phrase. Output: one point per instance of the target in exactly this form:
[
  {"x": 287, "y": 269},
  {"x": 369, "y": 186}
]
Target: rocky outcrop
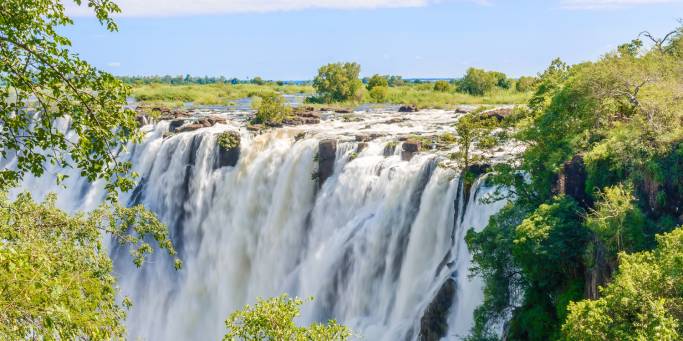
[
  {"x": 434, "y": 322},
  {"x": 600, "y": 273},
  {"x": 303, "y": 115},
  {"x": 571, "y": 181},
  {"x": 227, "y": 149},
  {"x": 183, "y": 125},
  {"x": 499, "y": 113},
  {"x": 409, "y": 149},
  {"x": 408, "y": 108},
  {"x": 327, "y": 153}
]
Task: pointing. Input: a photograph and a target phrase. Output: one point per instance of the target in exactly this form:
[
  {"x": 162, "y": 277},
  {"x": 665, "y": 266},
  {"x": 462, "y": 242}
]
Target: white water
[{"x": 373, "y": 246}]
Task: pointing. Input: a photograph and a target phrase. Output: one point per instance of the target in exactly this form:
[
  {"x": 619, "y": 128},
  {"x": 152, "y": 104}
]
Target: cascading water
[{"x": 380, "y": 245}]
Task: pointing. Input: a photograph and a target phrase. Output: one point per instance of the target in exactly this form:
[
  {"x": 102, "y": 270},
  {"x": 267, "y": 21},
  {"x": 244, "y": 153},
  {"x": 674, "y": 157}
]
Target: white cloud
[
  {"x": 610, "y": 4},
  {"x": 146, "y": 8},
  {"x": 114, "y": 64}
]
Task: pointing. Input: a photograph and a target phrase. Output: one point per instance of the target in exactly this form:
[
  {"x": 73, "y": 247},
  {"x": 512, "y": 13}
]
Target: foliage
[
  {"x": 441, "y": 86},
  {"x": 273, "y": 319},
  {"x": 209, "y": 94},
  {"x": 379, "y": 93},
  {"x": 478, "y": 82},
  {"x": 474, "y": 131},
  {"x": 37, "y": 69},
  {"x": 377, "y": 80},
  {"x": 338, "y": 82},
  {"x": 271, "y": 108},
  {"x": 526, "y": 83},
  {"x": 257, "y": 80},
  {"x": 643, "y": 302},
  {"x": 229, "y": 140},
  {"x": 57, "y": 280},
  {"x": 622, "y": 116}
]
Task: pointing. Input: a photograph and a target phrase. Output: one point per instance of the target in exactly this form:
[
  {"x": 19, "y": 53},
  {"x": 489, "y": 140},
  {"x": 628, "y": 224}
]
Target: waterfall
[{"x": 379, "y": 245}]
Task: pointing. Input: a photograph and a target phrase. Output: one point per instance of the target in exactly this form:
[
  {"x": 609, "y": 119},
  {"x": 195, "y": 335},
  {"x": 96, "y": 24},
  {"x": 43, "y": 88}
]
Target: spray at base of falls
[{"x": 380, "y": 245}]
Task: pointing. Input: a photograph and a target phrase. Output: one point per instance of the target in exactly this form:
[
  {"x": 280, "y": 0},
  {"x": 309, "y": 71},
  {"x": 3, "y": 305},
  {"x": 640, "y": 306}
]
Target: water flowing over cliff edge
[{"x": 377, "y": 239}]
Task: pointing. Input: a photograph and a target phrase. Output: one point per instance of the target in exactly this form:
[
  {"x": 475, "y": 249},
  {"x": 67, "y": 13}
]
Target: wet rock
[
  {"x": 408, "y": 108},
  {"x": 189, "y": 127},
  {"x": 409, "y": 149},
  {"x": 327, "y": 153},
  {"x": 434, "y": 322},
  {"x": 390, "y": 148},
  {"x": 142, "y": 119},
  {"x": 571, "y": 181},
  {"x": 463, "y": 110},
  {"x": 255, "y": 127},
  {"x": 395, "y": 120},
  {"x": 499, "y": 113},
  {"x": 361, "y": 146},
  {"x": 175, "y": 124},
  {"x": 228, "y": 149},
  {"x": 343, "y": 111}
]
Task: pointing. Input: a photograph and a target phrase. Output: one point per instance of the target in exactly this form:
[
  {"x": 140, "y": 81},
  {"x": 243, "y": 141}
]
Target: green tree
[
  {"x": 502, "y": 80},
  {"x": 57, "y": 281},
  {"x": 643, "y": 302},
  {"x": 258, "y": 81},
  {"x": 338, "y": 82},
  {"x": 377, "y": 80},
  {"x": 478, "y": 82},
  {"x": 379, "y": 93},
  {"x": 474, "y": 131},
  {"x": 617, "y": 220},
  {"x": 273, "y": 319},
  {"x": 442, "y": 86},
  {"x": 525, "y": 83},
  {"x": 271, "y": 108}
]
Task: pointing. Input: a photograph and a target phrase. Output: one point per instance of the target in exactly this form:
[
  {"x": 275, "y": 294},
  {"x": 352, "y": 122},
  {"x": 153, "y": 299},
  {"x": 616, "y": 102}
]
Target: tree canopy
[{"x": 338, "y": 82}]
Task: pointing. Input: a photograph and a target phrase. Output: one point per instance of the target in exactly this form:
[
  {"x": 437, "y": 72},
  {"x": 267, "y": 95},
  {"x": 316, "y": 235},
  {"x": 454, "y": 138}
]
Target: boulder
[
  {"x": 228, "y": 149},
  {"x": 327, "y": 153},
  {"x": 175, "y": 124},
  {"x": 343, "y": 111},
  {"x": 409, "y": 149},
  {"x": 499, "y": 113},
  {"x": 189, "y": 127},
  {"x": 361, "y": 146},
  {"x": 434, "y": 322},
  {"x": 462, "y": 110},
  {"x": 408, "y": 108}
]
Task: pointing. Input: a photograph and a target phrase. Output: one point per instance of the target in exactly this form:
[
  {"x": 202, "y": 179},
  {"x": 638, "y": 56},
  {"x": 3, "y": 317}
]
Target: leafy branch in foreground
[
  {"x": 56, "y": 280},
  {"x": 43, "y": 85},
  {"x": 273, "y": 319}
]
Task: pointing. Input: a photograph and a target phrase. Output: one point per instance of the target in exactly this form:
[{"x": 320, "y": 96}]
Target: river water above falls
[{"x": 379, "y": 244}]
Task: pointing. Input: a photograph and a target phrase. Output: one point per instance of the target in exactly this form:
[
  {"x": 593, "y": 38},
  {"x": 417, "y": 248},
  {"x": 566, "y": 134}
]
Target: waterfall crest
[{"x": 380, "y": 244}]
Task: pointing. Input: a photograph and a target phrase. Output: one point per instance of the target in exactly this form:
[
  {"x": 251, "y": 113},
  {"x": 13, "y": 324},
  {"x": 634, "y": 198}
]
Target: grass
[
  {"x": 209, "y": 94},
  {"x": 421, "y": 95}
]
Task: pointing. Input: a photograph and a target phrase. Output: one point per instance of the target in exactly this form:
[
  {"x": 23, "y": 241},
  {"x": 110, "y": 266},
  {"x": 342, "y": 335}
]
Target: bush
[
  {"x": 338, "y": 82},
  {"x": 526, "y": 83},
  {"x": 478, "y": 82},
  {"x": 377, "y": 80},
  {"x": 273, "y": 319},
  {"x": 442, "y": 86},
  {"x": 271, "y": 108},
  {"x": 379, "y": 93}
]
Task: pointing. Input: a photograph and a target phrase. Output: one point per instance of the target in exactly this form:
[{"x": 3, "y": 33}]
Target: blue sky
[{"x": 290, "y": 39}]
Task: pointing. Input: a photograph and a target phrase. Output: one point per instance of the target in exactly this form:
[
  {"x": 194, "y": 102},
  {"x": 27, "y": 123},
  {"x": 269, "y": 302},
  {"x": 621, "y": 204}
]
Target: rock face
[
  {"x": 228, "y": 149},
  {"x": 409, "y": 149},
  {"x": 303, "y": 115},
  {"x": 434, "y": 322},
  {"x": 571, "y": 181},
  {"x": 499, "y": 114},
  {"x": 327, "y": 153},
  {"x": 407, "y": 108},
  {"x": 600, "y": 273}
]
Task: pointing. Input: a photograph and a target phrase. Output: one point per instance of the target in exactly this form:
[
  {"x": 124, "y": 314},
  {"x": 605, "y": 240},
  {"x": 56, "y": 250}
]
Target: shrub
[
  {"x": 377, "y": 80},
  {"x": 379, "y": 93},
  {"x": 338, "y": 82},
  {"x": 442, "y": 86},
  {"x": 270, "y": 108},
  {"x": 526, "y": 83},
  {"x": 478, "y": 82}
]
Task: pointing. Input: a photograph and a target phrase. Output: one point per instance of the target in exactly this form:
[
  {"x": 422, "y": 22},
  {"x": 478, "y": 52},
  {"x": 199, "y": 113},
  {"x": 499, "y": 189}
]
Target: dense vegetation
[
  {"x": 600, "y": 179},
  {"x": 273, "y": 319}
]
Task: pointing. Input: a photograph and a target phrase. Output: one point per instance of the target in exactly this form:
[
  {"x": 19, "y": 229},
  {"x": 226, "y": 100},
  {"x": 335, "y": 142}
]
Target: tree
[
  {"x": 57, "y": 282},
  {"x": 478, "y": 82},
  {"x": 271, "y": 108},
  {"x": 57, "y": 279},
  {"x": 273, "y": 319},
  {"x": 643, "y": 302},
  {"x": 525, "y": 84},
  {"x": 441, "y": 86},
  {"x": 377, "y": 80},
  {"x": 338, "y": 82},
  {"x": 502, "y": 80},
  {"x": 258, "y": 81},
  {"x": 379, "y": 93},
  {"x": 473, "y": 131},
  {"x": 37, "y": 69}
]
